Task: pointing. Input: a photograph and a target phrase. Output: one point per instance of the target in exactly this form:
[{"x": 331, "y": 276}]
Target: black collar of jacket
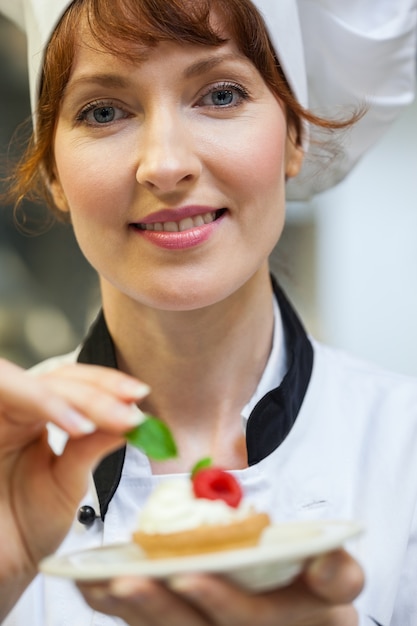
[{"x": 270, "y": 421}]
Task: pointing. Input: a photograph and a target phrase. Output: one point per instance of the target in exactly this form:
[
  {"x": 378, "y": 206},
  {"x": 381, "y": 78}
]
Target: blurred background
[
  {"x": 48, "y": 292},
  {"x": 348, "y": 259}
]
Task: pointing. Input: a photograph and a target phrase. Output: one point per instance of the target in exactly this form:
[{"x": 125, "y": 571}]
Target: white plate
[{"x": 273, "y": 563}]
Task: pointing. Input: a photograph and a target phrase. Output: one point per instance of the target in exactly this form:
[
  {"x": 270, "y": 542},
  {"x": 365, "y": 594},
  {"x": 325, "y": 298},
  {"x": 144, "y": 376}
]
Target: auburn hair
[{"x": 116, "y": 25}]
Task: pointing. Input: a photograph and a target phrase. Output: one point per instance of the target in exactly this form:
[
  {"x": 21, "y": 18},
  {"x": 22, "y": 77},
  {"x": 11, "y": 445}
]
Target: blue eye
[
  {"x": 101, "y": 114},
  {"x": 222, "y": 97},
  {"x": 104, "y": 114}
]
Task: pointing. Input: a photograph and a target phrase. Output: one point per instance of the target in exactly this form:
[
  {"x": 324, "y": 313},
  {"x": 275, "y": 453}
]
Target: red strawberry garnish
[{"x": 214, "y": 483}]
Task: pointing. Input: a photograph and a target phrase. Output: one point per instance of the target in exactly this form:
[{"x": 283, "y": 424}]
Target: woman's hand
[
  {"x": 39, "y": 491},
  {"x": 321, "y": 596}
]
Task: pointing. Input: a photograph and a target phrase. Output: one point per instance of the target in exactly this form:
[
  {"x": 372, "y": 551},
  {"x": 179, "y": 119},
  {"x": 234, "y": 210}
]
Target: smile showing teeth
[{"x": 181, "y": 225}]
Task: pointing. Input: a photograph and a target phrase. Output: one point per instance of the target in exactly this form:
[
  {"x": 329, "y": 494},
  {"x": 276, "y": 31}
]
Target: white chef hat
[{"x": 335, "y": 54}]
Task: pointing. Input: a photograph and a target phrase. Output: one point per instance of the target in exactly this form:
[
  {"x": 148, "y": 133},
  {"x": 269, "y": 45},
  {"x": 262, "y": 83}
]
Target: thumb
[
  {"x": 79, "y": 459},
  {"x": 335, "y": 577}
]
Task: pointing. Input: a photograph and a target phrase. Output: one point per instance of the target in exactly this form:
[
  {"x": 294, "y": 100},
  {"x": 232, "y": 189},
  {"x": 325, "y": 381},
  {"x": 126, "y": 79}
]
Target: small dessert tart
[{"x": 205, "y": 514}]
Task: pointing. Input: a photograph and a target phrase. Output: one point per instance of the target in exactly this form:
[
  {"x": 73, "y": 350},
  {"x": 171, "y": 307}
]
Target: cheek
[
  {"x": 258, "y": 159},
  {"x": 260, "y": 178},
  {"x": 91, "y": 176},
  {"x": 267, "y": 164}
]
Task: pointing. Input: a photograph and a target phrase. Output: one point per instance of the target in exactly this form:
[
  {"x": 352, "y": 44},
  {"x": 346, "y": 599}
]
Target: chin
[{"x": 186, "y": 298}]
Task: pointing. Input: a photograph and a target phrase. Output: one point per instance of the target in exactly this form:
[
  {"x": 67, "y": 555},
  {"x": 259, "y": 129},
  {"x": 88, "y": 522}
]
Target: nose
[{"x": 168, "y": 160}]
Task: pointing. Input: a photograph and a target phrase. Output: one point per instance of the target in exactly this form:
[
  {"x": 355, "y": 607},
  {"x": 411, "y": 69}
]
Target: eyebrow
[
  {"x": 104, "y": 80},
  {"x": 205, "y": 65},
  {"x": 121, "y": 82}
]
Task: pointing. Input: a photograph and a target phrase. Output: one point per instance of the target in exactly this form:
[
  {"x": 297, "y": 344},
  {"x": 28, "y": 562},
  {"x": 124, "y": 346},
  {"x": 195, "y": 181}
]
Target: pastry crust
[{"x": 240, "y": 534}]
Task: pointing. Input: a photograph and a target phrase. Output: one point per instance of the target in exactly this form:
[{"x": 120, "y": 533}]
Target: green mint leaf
[
  {"x": 201, "y": 464},
  {"x": 154, "y": 438}
]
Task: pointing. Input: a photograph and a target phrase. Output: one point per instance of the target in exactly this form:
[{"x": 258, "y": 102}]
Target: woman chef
[{"x": 169, "y": 133}]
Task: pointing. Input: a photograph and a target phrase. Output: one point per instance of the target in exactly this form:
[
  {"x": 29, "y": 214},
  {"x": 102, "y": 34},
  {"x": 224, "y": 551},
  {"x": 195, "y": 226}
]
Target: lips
[
  {"x": 184, "y": 224},
  {"x": 171, "y": 225},
  {"x": 179, "y": 229}
]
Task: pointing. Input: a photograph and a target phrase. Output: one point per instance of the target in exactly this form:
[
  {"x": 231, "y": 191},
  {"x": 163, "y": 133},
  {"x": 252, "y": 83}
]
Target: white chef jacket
[{"x": 349, "y": 453}]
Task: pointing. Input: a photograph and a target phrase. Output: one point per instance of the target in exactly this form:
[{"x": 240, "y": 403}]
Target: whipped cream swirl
[{"x": 173, "y": 507}]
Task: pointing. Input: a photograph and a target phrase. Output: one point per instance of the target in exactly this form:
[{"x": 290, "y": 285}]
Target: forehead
[
  {"x": 89, "y": 51},
  {"x": 142, "y": 25}
]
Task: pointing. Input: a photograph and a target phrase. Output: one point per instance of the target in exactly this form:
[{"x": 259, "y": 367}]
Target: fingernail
[
  {"x": 323, "y": 569},
  {"x": 132, "y": 415},
  {"x": 135, "y": 389},
  {"x": 183, "y": 585},
  {"x": 75, "y": 422},
  {"x": 126, "y": 587},
  {"x": 97, "y": 593}
]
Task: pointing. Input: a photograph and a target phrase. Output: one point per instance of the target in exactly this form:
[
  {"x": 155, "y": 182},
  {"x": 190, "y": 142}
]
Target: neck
[{"x": 203, "y": 366}]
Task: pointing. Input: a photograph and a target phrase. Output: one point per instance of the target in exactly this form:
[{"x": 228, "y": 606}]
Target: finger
[
  {"x": 226, "y": 604},
  {"x": 78, "y": 398},
  {"x": 98, "y": 598},
  {"x": 106, "y": 378},
  {"x": 81, "y": 456},
  {"x": 107, "y": 396},
  {"x": 142, "y": 601},
  {"x": 26, "y": 402},
  {"x": 97, "y": 404},
  {"x": 335, "y": 577},
  {"x": 66, "y": 474}
]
